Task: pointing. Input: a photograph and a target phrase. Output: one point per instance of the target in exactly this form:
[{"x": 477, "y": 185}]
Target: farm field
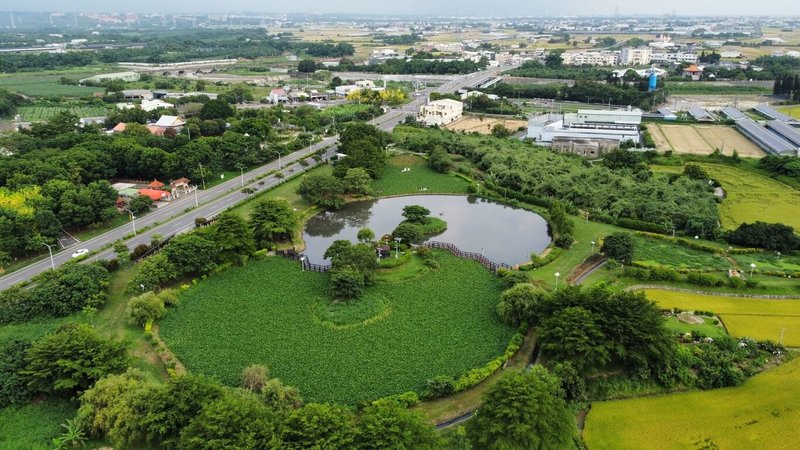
[
  {"x": 752, "y": 317},
  {"x": 38, "y": 85},
  {"x": 31, "y": 427},
  {"x": 761, "y": 413},
  {"x": 469, "y": 124},
  {"x": 394, "y": 181},
  {"x": 752, "y": 197},
  {"x": 653, "y": 252},
  {"x": 702, "y": 140},
  {"x": 269, "y": 312},
  {"x": 791, "y": 111},
  {"x": 42, "y": 113}
]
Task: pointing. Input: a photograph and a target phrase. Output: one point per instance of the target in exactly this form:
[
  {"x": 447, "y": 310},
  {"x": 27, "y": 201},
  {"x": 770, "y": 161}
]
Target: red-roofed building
[
  {"x": 155, "y": 184},
  {"x": 693, "y": 71},
  {"x": 119, "y": 128},
  {"x": 154, "y": 194}
]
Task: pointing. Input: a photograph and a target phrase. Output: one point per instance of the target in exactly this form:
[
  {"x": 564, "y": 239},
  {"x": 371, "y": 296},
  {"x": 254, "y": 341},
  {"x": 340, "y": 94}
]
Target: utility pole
[
  {"x": 133, "y": 220},
  {"x": 50, "y": 249}
]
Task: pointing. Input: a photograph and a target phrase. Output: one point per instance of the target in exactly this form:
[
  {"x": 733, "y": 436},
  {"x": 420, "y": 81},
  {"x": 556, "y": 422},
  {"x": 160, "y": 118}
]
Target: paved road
[{"x": 172, "y": 219}]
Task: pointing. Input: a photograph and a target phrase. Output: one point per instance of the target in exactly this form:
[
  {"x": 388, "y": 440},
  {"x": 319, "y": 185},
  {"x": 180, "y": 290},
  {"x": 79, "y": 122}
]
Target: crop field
[
  {"x": 484, "y": 125},
  {"x": 653, "y": 252},
  {"x": 752, "y": 317},
  {"x": 761, "y": 413},
  {"x": 41, "y": 113},
  {"x": 791, "y": 111},
  {"x": 768, "y": 261},
  {"x": 442, "y": 322},
  {"x": 36, "y": 85},
  {"x": 394, "y": 181},
  {"x": 702, "y": 140},
  {"x": 752, "y": 197}
]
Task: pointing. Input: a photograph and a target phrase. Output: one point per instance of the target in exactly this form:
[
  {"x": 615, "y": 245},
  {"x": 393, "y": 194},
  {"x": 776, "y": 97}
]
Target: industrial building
[
  {"x": 597, "y": 125},
  {"x": 773, "y": 114},
  {"x": 733, "y": 113},
  {"x": 585, "y": 147},
  {"x": 769, "y": 141},
  {"x": 701, "y": 115},
  {"x": 440, "y": 112}
]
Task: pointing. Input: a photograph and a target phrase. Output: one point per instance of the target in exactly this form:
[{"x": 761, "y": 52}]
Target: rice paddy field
[
  {"x": 761, "y": 413},
  {"x": 702, "y": 140},
  {"x": 752, "y": 197},
  {"x": 751, "y": 317},
  {"x": 394, "y": 338}
]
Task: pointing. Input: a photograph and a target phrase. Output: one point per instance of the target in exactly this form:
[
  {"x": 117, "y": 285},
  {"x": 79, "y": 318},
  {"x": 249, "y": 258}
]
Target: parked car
[{"x": 80, "y": 252}]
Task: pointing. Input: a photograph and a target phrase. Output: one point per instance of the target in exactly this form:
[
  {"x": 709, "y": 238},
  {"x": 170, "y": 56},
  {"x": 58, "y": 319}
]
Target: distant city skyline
[{"x": 510, "y": 8}]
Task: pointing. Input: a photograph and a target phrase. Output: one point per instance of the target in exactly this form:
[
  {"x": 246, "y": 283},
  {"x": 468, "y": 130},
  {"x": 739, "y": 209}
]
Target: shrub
[
  {"x": 144, "y": 309},
  {"x": 347, "y": 283},
  {"x": 139, "y": 251},
  {"x": 619, "y": 246},
  {"x": 703, "y": 279},
  {"x": 200, "y": 221},
  {"x": 254, "y": 377},
  {"x": 438, "y": 387},
  {"x": 564, "y": 241}
]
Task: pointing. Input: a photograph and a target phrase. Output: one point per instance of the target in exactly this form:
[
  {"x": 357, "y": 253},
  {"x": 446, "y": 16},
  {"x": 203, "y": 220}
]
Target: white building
[
  {"x": 636, "y": 56},
  {"x": 152, "y": 105},
  {"x": 675, "y": 57},
  {"x": 342, "y": 91},
  {"x": 597, "y": 125},
  {"x": 604, "y": 58},
  {"x": 440, "y": 112}
]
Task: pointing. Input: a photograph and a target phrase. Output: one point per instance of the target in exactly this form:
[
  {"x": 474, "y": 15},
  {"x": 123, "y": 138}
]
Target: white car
[{"x": 80, "y": 252}]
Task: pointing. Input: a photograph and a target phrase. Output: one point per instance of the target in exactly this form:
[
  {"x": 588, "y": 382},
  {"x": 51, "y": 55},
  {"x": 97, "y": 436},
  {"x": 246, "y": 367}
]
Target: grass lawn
[
  {"x": 791, "y": 110},
  {"x": 768, "y": 261},
  {"x": 757, "y": 318},
  {"x": 585, "y": 232},
  {"x": 395, "y": 182},
  {"x": 440, "y": 323},
  {"x": 761, "y": 413},
  {"x": 752, "y": 197},
  {"x": 287, "y": 191},
  {"x": 708, "y": 328},
  {"x": 654, "y": 252}
]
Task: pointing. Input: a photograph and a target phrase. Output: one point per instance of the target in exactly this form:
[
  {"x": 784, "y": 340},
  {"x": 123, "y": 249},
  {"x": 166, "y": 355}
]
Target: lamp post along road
[
  {"x": 50, "y": 249},
  {"x": 397, "y": 248},
  {"x": 752, "y": 268},
  {"x": 557, "y": 276},
  {"x": 133, "y": 219}
]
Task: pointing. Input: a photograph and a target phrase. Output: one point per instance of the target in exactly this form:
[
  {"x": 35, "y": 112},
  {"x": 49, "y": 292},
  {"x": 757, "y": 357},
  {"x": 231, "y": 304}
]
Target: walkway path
[{"x": 639, "y": 287}]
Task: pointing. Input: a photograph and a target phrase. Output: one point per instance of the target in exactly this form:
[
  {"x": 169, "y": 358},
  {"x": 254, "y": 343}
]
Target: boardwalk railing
[{"x": 485, "y": 262}]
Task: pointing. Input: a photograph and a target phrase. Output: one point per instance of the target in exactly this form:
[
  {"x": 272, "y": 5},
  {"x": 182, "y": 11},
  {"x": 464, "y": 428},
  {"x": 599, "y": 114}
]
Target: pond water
[{"x": 503, "y": 233}]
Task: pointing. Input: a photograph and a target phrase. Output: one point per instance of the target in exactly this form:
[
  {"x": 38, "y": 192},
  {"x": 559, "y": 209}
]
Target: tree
[
  {"x": 518, "y": 304},
  {"x": 416, "y": 213},
  {"x": 365, "y": 153},
  {"x": 70, "y": 359},
  {"x": 322, "y": 190},
  {"x": 192, "y": 252},
  {"x": 407, "y": 232},
  {"x": 153, "y": 272},
  {"x": 365, "y": 235},
  {"x": 524, "y": 410},
  {"x": 358, "y": 257},
  {"x": 171, "y": 409},
  {"x": 553, "y": 60},
  {"x": 771, "y": 236},
  {"x": 272, "y": 220},
  {"x": 695, "y": 172},
  {"x": 619, "y": 246},
  {"x": 122, "y": 251},
  {"x": 561, "y": 223},
  {"x": 439, "y": 160},
  {"x": 233, "y": 237},
  {"x": 216, "y": 109},
  {"x": 572, "y": 334},
  {"x": 500, "y": 131},
  {"x": 307, "y": 66},
  {"x": 114, "y": 407},
  {"x": 319, "y": 426},
  {"x": 387, "y": 424},
  {"x": 236, "y": 420},
  {"x": 280, "y": 397},
  {"x": 254, "y": 377},
  {"x": 140, "y": 204},
  {"x": 144, "y": 309},
  {"x": 347, "y": 283},
  {"x": 357, "y": 181},
  {"x": 14, "y": 388}
]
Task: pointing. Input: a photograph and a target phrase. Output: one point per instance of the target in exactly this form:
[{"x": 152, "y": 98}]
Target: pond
[{"x": 504, "y": 234}]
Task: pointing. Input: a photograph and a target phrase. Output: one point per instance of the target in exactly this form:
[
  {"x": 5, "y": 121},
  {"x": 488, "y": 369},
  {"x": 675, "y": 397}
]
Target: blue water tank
[{"x": 653, "y": 82}]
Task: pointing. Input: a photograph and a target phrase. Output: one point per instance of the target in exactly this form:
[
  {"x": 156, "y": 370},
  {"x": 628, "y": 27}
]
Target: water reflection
[{"x": 502, "y": 233}]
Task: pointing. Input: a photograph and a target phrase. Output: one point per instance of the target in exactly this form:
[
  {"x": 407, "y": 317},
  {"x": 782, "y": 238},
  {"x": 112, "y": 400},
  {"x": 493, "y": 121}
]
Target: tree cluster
[
  {"x": 770, "y": 236},
  {"x": 353, "y": 268},
  {"x": 416, "y": 66},
  {"x": 56, "y": 293}
]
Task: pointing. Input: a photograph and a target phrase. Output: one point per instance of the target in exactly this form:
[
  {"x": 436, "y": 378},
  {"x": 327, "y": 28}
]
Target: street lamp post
[
  {"x": 133, "y": 220},
  {"x": 557, "y": 276},
  {"x": 752, "y": 268},
  {"x": 241, "y": 169},
  {"x": 279, "y": 160},
  {"x": 203, "y": 175},
  {"x": 593, "y": 246},
  {"x": 50, "y": 249},
  {"x": 397, "y": 247},
  {"x": 303, "y": 263},
  {"x": 196, "y": 200}
]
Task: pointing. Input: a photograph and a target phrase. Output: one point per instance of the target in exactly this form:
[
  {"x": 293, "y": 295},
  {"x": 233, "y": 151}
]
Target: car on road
[{"x": 80, "y": 252}]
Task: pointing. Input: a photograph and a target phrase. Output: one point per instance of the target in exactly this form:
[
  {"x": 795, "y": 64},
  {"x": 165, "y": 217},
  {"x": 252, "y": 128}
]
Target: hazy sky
[{"x": 433, "y": 7}]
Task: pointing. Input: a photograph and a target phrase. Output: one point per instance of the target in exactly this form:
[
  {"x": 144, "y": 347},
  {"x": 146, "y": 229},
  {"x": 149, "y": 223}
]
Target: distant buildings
[
  {"x": 636, "y": 56},
  {"x": 674, "y": 57},
  {"x": 440, "y": 112},
  {"x": 592, "y": 58},
  {"x": 693, "y": 72}
]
